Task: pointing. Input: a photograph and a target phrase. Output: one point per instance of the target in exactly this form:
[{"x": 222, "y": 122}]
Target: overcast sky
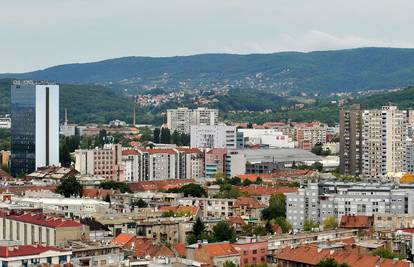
[{"x": 36, "y": 34}]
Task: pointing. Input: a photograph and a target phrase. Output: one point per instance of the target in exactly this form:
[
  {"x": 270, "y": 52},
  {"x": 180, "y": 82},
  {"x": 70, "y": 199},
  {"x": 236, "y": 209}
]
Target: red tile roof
[
  {"x": 311, "y": 255},
  {"x": 219, "y": 249},
  {"x": 188, "y": 150},
  {"x": 248, "y": 202},
  {"x": 123, "y": 239},
  {"x": 181, "y": 250},
  {"x": 26, "y": 250},
  {"x": 356, "y": 221},
  {"x": 236, "y": 220},
  {"x": 161, "y": 151},
  {"x": 159, "y": 185},
  {"x": 129, "y": 152},
  {"x": 257, "y": 190},
  {"x": 41, "y": 219},
  {"x": 20, "y": 190},
  {"x": 99, "y": 193}
]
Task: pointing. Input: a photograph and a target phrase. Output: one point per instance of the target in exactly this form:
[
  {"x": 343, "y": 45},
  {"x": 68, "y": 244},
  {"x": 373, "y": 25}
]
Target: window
[{"x": 254, "y": 251}]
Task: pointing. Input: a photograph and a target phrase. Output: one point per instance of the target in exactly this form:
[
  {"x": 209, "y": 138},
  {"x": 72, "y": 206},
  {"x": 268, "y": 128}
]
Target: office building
[
  {"x": 35, "y": 127},
  {"x": 215, "y": 136},
  {"x": 267, "y": 137},
  {"x": 181, "y": 119}
]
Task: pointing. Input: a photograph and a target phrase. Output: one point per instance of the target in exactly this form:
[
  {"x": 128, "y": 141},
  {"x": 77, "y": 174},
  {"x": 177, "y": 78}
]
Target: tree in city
[
  {"x": 276, "y": 209},
  {"x": 329, "y": 262},
  {"x": 309, "y": 225},
  {"x": 64, "y": 155},
  {"x": 123, "y": 187},
  {"x": 165, "y": 136},
  {"x": 223, "y": 231},
  {"x": 247, "y": 182},
  {"x": 258, "y": 181},
  {"x": 139, "y": 203},
  {"x": 330, "y": 223},
  {"x": 107, "y": 198},
  {"x": 70, "y": 187},
  {"x": 189, "y": 190},
  {"x": 229, "y": 191},
  {"x": 229, "y": 264},
  {"x": 198, "y": 227},
  {"x": 284, "y": 224},
  {"x": 268, "y": 227},
  {"x": 387, "y": 254},
  {"x": 156, "y": 135},
  {"x": 318, "y": 150}
]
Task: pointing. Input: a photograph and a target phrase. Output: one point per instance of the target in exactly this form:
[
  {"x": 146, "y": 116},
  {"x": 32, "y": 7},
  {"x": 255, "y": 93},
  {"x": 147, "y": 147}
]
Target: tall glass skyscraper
[{"x": 35, "y": 126}]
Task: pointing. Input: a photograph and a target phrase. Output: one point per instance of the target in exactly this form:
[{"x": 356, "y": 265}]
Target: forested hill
[{"x": 324, "y": 71}]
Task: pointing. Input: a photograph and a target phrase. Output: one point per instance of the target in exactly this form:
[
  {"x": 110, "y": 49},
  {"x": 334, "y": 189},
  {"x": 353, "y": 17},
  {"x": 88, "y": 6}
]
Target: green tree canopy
[
  {"x": 223, "y": 231},
  {"x": 70, "y": 187},
  {"x": 330, "y": 263},
  {"x": 276, "y": 209},
  {"x": 330, "y": 223}
]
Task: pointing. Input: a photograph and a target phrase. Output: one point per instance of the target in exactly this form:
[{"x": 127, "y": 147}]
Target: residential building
[
  {"x": 350, "y": 148},
  {"x": 384, "y": 141},
  {"x": 31, "y": 229},
  {"x": 214, "y": 254},
  {"x": 181, "y": 119},
  {"x": 235, "y": 164},
  {"x": 390, "y": 221},
  {"x": 252, "y": 250},
  {"x": 34, "y": 255},
  {"x": 373, "y": 143},
  {"x": 320, "y": 200},
  {"x": 248, "y": 207},
  {"x": 267, "y": 137},
  {"x": 310, "y": 134},
  {"x": 215, "y": 162},
  {"x": 97, "y": 254},
  {"x": 211, "y": 207},
  {"x": 311, "y": 255},
  {"x": 35, "y": 127},
  {"x": 215, "y": 136},
  {"x": 105, "y": 162}
]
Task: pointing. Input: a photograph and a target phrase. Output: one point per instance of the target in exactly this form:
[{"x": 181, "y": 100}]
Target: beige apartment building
[
  {"x": 181, "y": 119},
  {"x": 373, "y": 143},
  {"x": 31, "y": 229}
]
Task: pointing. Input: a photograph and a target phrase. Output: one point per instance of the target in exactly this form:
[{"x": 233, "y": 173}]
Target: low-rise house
[
  {"x": 159, "y": 185},
  {"x": 32, "y": 229},
  {"x": 248, "y": 207},
  {"x": 252, "y": 251},
  {"x": 34, "y": 255},
  {"x": 97, "y": 254},
  {"x": 97, "y": 230},
  {"x": 383, "y": 221},
  {"x": 214, "y": 254},
  {"x": 53, "y": 173}
]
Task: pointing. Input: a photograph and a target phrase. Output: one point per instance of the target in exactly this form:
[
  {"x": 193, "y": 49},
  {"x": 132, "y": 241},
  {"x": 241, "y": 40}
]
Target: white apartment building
[
  {"x": 105, "y": 162},
  {"x": 216, "y": 136},
  {"x": 163, "y": 163},
  {"x": 269, "y": 137},
  {"x": 37, "y": 255},
  {"x": 211, "y": 207},
  {"x": 384, "y": 146},
  {"x": 235, "y": 164},
  {"x": 181, "y": 119}
]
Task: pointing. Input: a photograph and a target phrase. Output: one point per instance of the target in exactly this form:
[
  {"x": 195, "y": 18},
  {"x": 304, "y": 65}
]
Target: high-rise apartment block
[
  {"x": 216, "y": 136},
  {"x": 105, "y": 162},
  {"x": 35, "y": 126},
  {"x": 181, "y": 119},
  {"x": 373, "y": 143}
]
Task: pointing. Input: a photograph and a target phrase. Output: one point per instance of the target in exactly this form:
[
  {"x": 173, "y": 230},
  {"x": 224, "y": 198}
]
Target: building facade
[
  {"x": 181, "y": 119},
  {"x": 35, "y": 127},
  {"x": 216, "y": 136},
  {"x": 105, "y": 162}
]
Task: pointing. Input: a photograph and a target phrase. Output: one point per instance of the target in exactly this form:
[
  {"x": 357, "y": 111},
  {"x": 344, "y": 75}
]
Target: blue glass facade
[{"x": 23, "y": 131}]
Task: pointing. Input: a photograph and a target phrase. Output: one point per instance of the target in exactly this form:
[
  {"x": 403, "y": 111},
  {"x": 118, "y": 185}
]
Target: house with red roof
[
  {"x": 253, "y": 251},
  {"x": 30, "y": 229},
  {"x": 248, "y": 207},
  {"x": 143, "y": 247},
  {"x": 311, "y": 255},
  {"x": 34, "y": 255},
  {"x": 213, "y": 254}
]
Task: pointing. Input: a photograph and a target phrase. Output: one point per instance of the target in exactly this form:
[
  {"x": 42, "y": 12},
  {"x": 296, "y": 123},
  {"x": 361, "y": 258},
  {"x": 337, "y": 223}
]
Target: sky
[{"x": 43, "y": 33}]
